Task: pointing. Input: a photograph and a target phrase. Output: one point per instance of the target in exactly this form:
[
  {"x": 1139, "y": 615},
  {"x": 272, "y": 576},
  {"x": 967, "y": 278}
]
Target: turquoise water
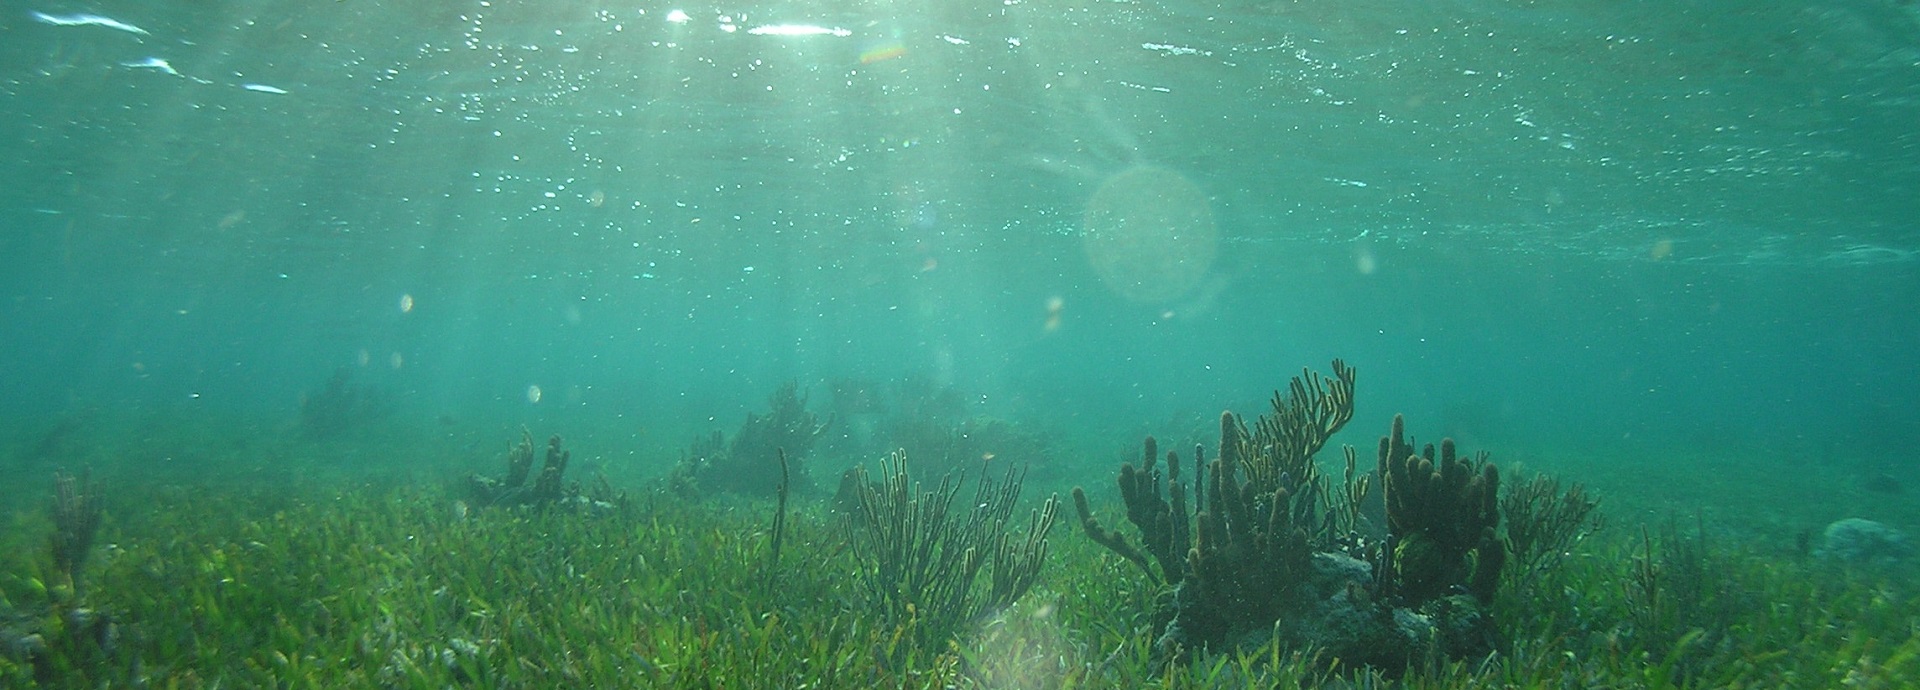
[
  {"x": 283, "y": 280},
  {"x": 1683, "y": 228}
]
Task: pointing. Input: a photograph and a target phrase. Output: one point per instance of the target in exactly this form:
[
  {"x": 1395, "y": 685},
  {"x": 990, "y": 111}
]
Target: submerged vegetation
[
  {"x": 921, "y": 561},
  {"x": 1283, "y": 558},
  {"x": 934, "y": 424},
  {"x": 766, "y": 456},
  {"x": 925, "y": 584},
  {"x": 340, "y": 406}
]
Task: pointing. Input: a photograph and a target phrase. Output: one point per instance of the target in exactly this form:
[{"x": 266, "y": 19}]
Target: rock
[{"x": 1863, "y": 542}]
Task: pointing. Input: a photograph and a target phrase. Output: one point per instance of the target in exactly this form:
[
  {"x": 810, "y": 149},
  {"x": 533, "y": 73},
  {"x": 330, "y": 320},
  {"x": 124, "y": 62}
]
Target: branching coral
[
  {"x": 1281, "y": 447},
  {"x": 76, "y": 518},
  {"x": 1162, "y": 519},
  {"x": 1543, "y": 521},
  {"x": 750, "y": 464},
  {"x": 1275, "y": 553},
  {"x": 1442, "y": 513},
  {"x": 512, "y": 488},
  {"x": 936, "y": 424},
  {"x": 920, "y": 559},
  {"x": 1247, "y": 558},
  {"x": 64, "y": 634}
]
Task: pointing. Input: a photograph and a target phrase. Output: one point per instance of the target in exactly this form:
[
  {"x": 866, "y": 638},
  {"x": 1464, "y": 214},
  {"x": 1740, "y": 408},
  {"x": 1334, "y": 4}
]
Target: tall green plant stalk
[{"x": 779, "y": 524}]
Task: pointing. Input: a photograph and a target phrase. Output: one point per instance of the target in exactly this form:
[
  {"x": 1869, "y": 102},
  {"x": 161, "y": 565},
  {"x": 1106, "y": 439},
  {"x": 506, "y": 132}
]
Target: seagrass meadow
[{"x": 385, "y": 577}]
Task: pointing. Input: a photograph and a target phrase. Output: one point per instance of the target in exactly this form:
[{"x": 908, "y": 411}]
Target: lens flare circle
[{"x": 1150, "y": 235}]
